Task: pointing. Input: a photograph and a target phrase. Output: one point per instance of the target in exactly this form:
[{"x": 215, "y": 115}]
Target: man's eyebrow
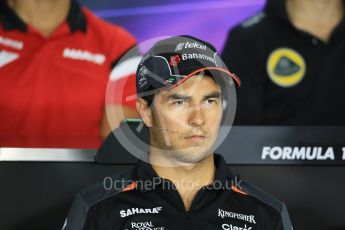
[
  {"x": 177, "y": 96},
  {"x": 212, "y": 95}
]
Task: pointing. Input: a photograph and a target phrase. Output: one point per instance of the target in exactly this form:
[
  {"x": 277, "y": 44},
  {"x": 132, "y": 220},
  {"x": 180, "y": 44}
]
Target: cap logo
[
  {"x": 174, "y": 60},
  {"x": 198, "y": 56},
  {"x": 179, "y": 47},
  {"x": 142, "y": 79},
  {"x": 190, "y": 45}
]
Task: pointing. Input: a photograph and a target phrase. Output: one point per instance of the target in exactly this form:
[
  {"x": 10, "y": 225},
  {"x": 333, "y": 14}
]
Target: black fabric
[
  {"x": 162, "y": 207},
  {"x": 317, "y": 99},
  {"x": 10, "y": 21},
  {"x": 171, "y": 60},
  {"x": 112, "y": 151},
  {"x": 78, "y": 215},
  {"x": 75, "y": 18},
  {"x": 145, "y": 172}
]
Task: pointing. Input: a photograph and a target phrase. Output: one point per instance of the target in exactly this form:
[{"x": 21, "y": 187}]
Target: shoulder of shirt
[
  {"x": 254, "y": 20},
  {"x": 97, "y": 193},
  {"x": 267, "y": 200},
  {"x": 250, "y": 25},
  {"x": 87, "y": 198},
  {"x": 106, "y": 28},
  {"x": 261, "y": 196}
]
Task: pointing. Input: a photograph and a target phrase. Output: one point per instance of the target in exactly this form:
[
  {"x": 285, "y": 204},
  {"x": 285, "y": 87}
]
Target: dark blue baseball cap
[{"x": 173, "y": 60}]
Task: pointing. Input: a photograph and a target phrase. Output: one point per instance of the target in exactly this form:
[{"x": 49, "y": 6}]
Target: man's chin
[{"x": 191, "y": 155}]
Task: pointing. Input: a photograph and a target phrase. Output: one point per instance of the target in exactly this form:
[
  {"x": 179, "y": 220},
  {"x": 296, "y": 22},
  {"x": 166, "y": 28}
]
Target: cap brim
[{"x": 232, "y": 76}]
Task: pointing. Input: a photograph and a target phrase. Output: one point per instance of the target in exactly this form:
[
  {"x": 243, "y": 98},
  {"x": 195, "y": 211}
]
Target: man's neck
[
  {"x": 317, "y": 17},
  {"x": 189, "y": 178},
  {"x": 43, "y": 15}
]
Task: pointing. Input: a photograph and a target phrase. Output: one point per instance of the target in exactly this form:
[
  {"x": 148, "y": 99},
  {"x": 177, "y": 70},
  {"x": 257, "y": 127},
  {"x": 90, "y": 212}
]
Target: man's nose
[{"x": 197, "y": 116}]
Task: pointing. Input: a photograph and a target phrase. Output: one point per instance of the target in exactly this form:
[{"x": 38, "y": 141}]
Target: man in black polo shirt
[
  {"x": 182, "y": 184},
  {"x": 290, "y": 58}
]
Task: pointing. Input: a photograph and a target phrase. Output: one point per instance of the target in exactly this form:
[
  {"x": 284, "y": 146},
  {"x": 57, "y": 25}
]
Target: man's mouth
[{"x": 196, "y": 138}]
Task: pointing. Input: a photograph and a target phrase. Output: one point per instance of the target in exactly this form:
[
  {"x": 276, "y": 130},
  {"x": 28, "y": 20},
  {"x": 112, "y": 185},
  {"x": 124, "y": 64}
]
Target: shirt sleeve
[
  {"x": 281, "y": 219},
  {"x": 125, "y": 59},
  {"x": 240, "y": 58},
  {"x": 78, "y": 217},
  {"x": 284, "y": 222}
]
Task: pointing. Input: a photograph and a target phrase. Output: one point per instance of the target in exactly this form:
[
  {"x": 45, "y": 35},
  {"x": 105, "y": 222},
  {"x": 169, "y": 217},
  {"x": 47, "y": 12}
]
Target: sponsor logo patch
[
  {"x": 15, "y": 44},
  {"x": 198, "y": 56},
  {"x": 233, "y": 227},
  {"x": 227, "y": 214},
  {"x": 7, "y": 57},
  {"x": 147, "y": 225},
  {"x": 179, "y": 47},
  {"x": 83, "y": 55},
  {"x": 142, "y": 79},
  {"x": 133, "y": 211},
  {"x": 175, "y": 60},
  {"x": 286, "y": 67},
  {"x": 190, "y": 45}
]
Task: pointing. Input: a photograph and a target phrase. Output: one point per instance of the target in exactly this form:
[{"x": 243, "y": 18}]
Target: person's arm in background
[
  {"x": 240, "y": 56},
  {"x": 121, "y": 79}
]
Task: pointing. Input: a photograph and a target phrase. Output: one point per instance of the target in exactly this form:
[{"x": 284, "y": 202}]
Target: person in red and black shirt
[{"x": 56, "y": 58}]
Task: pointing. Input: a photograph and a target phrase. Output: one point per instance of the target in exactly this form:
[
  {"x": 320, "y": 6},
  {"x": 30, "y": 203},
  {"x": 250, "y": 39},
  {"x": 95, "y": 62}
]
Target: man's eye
[
  {"x": 179, "y": 102},
  {"x": 211, "y": 101}
]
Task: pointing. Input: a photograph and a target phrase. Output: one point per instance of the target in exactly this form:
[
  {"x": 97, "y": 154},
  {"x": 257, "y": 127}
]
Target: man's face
[{"x": 186, "y": 119}]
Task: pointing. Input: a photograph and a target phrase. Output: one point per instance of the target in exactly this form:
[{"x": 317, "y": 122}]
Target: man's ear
[{"x": 144, "y": 111}]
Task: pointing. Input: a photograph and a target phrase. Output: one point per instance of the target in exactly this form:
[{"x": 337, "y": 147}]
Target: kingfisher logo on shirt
[
  {"x": 286, "y": 67},
  {"x": 132, "y": 211},
  {"x": 227, "y": 214}
]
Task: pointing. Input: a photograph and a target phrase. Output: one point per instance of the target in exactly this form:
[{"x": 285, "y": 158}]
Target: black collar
[
  {"x": 277, "y": 9},
  {"x": 10, "y": 20},
  {"x": 147, "y": 179}
]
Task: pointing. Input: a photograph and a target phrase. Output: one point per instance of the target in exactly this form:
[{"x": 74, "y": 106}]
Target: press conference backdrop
[
  {"x": 304, "y": 167},
  {"x": 207, "y": 19}
]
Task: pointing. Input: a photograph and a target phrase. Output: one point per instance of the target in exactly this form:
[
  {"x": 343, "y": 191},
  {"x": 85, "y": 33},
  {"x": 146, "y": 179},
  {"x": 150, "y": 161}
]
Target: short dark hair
[{"x": 149, "y": 98}]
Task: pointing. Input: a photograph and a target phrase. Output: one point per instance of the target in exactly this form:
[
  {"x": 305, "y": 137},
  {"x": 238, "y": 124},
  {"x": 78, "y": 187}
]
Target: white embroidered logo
[
  {"x": 11, "y": 43},
  {"x": 132, "y": 211},
  {"x": 7, "y": 57},
  {"x": 83, "y": 55}
]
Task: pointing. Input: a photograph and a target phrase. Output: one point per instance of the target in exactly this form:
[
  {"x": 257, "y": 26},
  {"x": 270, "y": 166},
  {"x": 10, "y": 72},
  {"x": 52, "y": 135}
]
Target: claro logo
[
  {"x": 232, "y": 227},
  {"x": 132, "y": 211}
]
